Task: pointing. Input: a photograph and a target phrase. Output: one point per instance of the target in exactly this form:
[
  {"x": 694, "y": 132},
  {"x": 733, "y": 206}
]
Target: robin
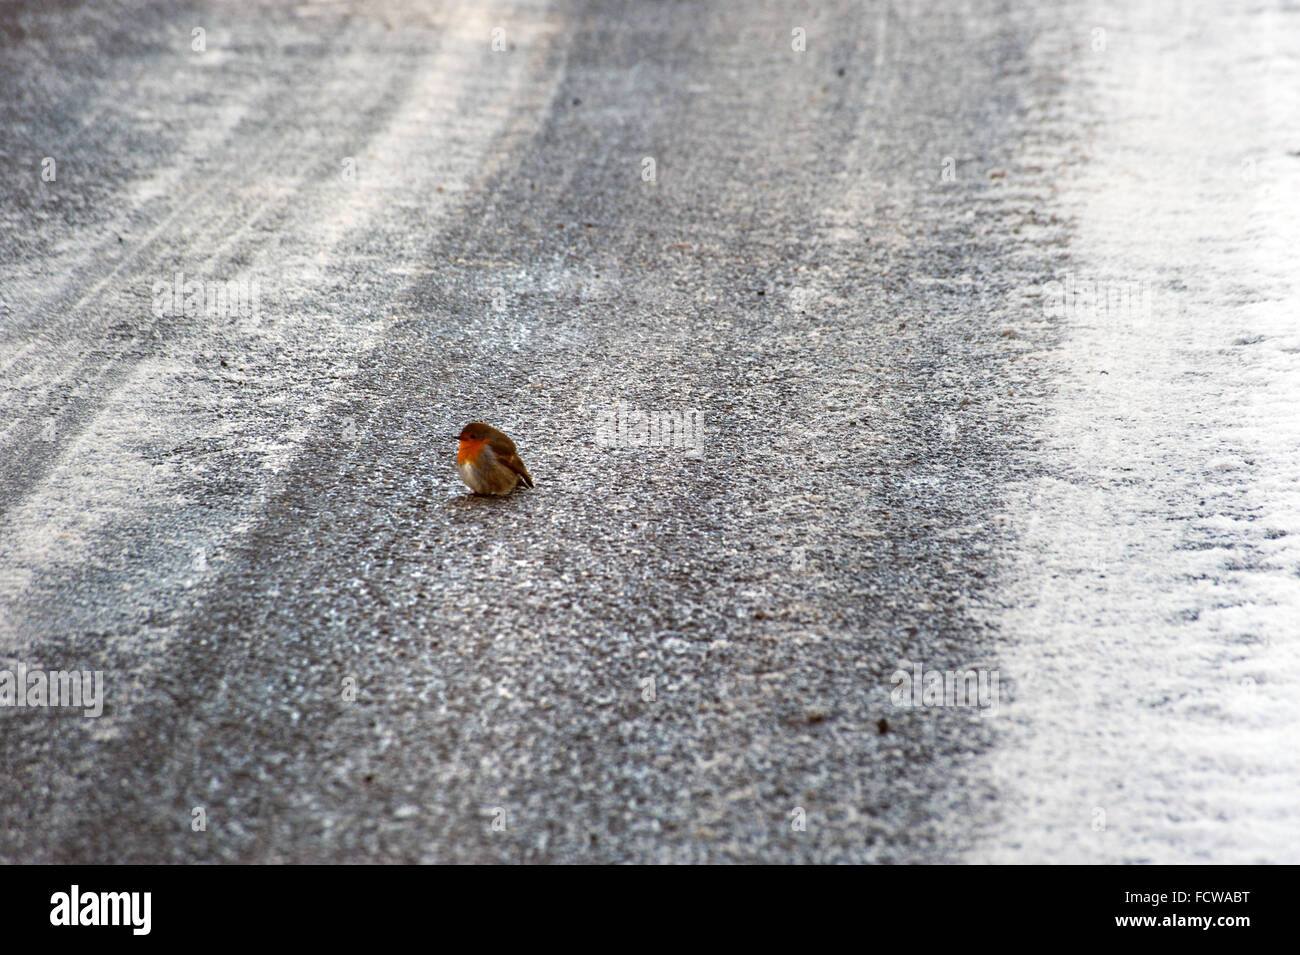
[{"x": 488, "y": 461}]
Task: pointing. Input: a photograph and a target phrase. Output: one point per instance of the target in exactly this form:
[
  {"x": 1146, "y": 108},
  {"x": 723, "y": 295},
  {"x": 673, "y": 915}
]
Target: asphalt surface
[{"x": 653, "y": 656}]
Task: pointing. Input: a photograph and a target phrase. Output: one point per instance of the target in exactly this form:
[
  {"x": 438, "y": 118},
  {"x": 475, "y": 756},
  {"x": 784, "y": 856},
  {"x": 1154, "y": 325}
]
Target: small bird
[{"x": 488, "y": 461}]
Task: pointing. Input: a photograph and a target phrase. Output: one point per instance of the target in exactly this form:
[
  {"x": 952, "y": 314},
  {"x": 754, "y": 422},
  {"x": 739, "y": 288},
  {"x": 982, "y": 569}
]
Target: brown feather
[{"x": 514, "y": 463}]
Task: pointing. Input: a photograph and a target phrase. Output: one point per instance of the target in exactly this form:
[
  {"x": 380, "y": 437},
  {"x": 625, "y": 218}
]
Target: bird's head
[{"x": 475, "y": 432}]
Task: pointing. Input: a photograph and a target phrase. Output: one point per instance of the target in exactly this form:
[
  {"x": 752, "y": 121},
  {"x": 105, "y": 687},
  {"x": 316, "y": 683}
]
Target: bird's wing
[
  {"x": 516, "y": 464},
  {"x": 501, "y": 444}
]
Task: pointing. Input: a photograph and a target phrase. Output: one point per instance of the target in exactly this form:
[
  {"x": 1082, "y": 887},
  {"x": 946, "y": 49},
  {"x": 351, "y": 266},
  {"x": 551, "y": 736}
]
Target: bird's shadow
[{"x": 470, "y": 502}]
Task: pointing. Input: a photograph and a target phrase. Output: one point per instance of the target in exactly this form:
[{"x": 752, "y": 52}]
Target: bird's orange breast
[{"x": 469, "y": 450}]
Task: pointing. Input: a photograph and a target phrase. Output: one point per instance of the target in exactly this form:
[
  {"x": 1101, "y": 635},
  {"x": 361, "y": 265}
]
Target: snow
[{"x": 1155, "y": 588}]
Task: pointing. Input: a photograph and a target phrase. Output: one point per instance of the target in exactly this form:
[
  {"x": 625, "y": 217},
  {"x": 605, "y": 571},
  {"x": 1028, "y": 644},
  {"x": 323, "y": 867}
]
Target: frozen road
[{"x": 985, "y": 322}]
